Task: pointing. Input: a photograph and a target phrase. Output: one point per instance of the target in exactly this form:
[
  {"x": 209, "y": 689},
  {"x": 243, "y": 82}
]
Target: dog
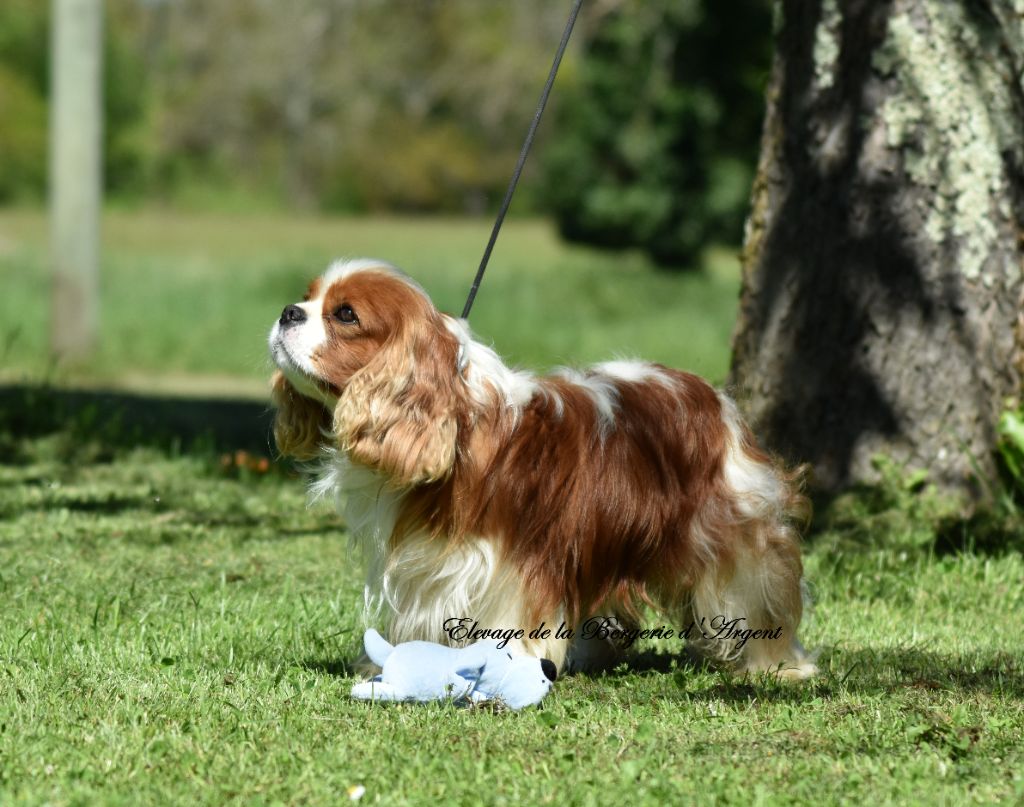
[{"x": 482, "y": 492}]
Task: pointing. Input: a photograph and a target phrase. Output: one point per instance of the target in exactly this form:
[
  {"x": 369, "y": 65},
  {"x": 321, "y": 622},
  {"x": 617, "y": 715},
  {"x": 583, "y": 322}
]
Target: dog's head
[{"x": 366, "y": 361}]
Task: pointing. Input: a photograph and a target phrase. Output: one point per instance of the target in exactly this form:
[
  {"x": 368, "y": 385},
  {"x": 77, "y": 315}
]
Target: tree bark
[{"x": 883, "y": 269}]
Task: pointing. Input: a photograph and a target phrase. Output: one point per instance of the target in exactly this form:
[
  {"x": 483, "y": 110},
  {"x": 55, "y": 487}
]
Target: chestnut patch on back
[{"x": 656, "y": 467}]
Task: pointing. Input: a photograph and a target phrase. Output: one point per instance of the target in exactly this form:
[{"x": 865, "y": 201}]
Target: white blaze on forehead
[{"x": 345, "y": 267}]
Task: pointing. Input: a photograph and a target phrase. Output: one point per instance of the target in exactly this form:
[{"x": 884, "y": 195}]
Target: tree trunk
[{"x": 884, "y": 256}]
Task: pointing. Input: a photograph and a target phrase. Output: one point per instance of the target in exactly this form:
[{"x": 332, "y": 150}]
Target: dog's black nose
[
  {"x": 292, "y": 315},
  {"x": 549, "y": 669}
]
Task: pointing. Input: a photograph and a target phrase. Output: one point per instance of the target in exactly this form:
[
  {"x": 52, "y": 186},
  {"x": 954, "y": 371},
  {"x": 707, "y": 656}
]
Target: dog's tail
[{"x": 377, "y": 647}]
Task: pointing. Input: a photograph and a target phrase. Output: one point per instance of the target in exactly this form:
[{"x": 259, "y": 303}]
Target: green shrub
[
  {"x": 657, "y": 139},
  {"x": 24, "y": 94},
  {"x": 22, "y": 138}
]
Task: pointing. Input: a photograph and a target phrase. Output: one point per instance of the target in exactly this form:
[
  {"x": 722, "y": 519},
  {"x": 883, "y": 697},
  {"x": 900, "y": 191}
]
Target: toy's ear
[
  {"x": 471, "y": 663},
  {"x": 299, "y": 423},
  {"x": 400, "y": 413}
]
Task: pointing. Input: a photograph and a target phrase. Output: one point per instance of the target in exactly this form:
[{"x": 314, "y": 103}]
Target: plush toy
[{"x": 425, "y": 671}]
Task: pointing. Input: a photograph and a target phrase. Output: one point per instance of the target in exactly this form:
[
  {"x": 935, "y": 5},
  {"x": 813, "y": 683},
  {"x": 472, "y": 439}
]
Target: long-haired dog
[{"x": 482, "y": 492}]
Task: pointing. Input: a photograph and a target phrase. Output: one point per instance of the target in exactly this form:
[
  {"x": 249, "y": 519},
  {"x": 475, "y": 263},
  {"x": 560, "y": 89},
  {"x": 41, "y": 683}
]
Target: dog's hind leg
[
  {"x": 752, "y": 579},
  {"x": 747, "y": 614}
]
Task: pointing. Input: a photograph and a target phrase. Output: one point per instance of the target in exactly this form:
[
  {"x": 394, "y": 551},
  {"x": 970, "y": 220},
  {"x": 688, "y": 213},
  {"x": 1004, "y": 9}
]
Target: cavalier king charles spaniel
[{"x": 483, "y": 492}]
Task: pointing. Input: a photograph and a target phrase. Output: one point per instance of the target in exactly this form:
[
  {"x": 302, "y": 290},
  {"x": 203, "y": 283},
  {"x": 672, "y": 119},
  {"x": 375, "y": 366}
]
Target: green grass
[
  {"x": 171, "y": 633},
  {"x": 186, "y": 294}
]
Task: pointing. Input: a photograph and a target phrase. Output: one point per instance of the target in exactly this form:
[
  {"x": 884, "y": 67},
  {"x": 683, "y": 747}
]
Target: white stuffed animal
[{"x": 425, "y": 671}]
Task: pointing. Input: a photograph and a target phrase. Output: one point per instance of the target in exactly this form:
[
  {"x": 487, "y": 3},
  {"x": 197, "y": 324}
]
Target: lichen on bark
[
  {"x": 953, "y": 135},
  {"x": 826, "y": 45},
  {"x": 883, "y": 267}
]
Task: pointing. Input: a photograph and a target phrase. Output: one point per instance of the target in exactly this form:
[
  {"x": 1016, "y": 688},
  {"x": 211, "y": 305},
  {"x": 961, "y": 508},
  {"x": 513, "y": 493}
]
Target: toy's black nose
[
  {"x": 292, "y": 315},
  {"x": 547, "y": 666}
]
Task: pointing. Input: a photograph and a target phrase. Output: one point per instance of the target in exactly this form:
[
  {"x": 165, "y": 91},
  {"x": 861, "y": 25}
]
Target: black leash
[{"x": 522, "y": 157}]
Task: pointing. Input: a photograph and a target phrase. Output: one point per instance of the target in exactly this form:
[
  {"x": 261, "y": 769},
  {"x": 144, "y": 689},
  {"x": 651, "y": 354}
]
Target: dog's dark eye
[{"x": 344, "y": 313}]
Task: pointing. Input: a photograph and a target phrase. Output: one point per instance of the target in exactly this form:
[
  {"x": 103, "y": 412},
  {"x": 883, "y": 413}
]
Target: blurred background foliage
[
  {"x": 657, "y": 139},
  {"x": 369, "y": 106}
]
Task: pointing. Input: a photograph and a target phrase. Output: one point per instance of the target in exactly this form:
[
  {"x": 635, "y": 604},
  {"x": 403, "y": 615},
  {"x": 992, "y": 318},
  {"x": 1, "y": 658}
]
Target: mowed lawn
[
  {"x": 171, "y": 633},
  {"x": 176, "y": 630},
  {"x": 187, "y": 300}
]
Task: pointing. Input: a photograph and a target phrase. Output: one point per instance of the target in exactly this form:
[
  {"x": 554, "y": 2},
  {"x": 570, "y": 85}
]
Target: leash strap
[{"x": 522, "y": 157}]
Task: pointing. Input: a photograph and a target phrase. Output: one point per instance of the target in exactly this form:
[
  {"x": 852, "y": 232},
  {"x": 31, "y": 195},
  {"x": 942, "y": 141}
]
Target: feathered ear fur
[
  {"x": 400, "y": 413},
  {"x": 299, "y": 422}
]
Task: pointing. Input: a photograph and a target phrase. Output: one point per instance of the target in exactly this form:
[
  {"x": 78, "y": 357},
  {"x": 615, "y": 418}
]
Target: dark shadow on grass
[
  {"x": 253, "y": 522},
  {"x": 34, "y": 481},
  {"x": 109, "y": 505},
  {"x": 126, "y": 420},
  {"x": 643, "y": 662},
  {"x": 340, "y": 668},
  {"x": 193, "y": 530},
  {"x": 864, "y": 671},
  {"x": 889, "y": 670},
  {"x": 882, "y": 672},
  {"x": 989, "y": 533}
]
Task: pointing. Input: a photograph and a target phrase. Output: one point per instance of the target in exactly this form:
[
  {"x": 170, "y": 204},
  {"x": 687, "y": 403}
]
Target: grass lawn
[
  {"x": 177, "y": 630},
  {"x": 195, "y": 295},
  {"x": 173, "y": 632}
]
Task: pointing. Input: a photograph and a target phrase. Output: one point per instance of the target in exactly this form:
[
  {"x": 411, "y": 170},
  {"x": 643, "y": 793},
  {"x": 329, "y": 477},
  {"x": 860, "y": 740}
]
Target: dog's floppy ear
[
  {"x": 400, "y": 413},
  {"x": 299, "y": 422}
]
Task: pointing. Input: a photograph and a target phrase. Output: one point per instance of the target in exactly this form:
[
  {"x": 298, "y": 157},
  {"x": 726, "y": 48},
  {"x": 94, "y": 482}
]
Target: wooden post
[{"x": 76, "y": 160}]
